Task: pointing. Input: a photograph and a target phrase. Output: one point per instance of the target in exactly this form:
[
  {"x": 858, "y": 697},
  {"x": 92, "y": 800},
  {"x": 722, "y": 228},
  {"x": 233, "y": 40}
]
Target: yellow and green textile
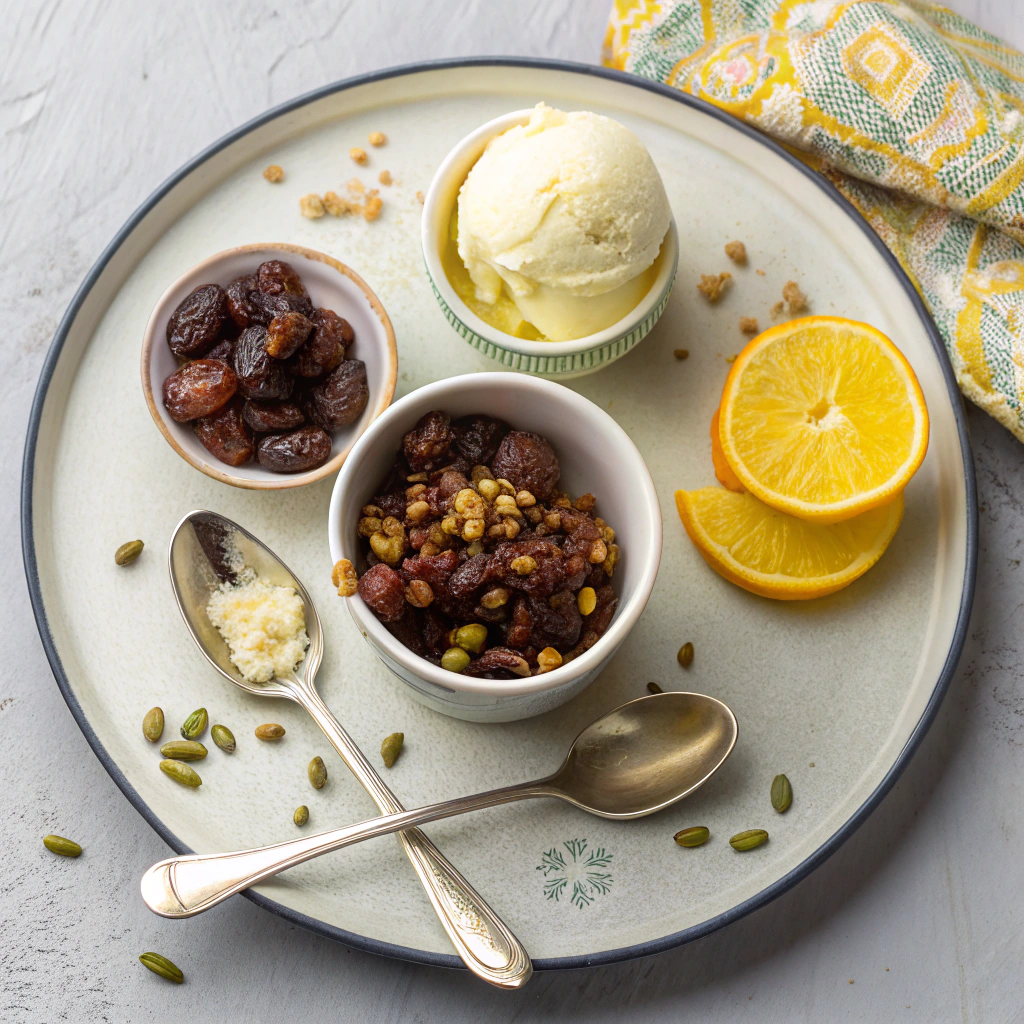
[{"x": 911, "y": 111}]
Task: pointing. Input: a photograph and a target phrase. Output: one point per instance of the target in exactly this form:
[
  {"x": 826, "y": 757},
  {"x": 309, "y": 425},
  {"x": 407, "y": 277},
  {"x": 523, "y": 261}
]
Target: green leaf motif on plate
[{"x": 576, "y": 873}]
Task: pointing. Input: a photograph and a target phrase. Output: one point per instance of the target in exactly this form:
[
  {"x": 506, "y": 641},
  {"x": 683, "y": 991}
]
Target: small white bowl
[
  {"x": 595, "y": 455},
  {"x": 555, "y": 359},
  {"x": 330, "y": 284}
]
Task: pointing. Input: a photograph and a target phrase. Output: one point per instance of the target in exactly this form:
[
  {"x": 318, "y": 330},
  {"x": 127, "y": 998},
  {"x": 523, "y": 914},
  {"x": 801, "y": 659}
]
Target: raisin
[
  {"x": 384, "y": 591},
  {"x": 340, "y": 398},
  {"x": 556, "y": 622},
  {"x": 477, "y": 438},
  {"x": 286, "y": 332},
  {"x": 391, "y": 504},
  {"x": 322, "y": 351},
  {"x": 528, "y": 462},
  {"x": 549, "y": 574},
  {"x": 198, "y": 389},
  {"x": 272, "y": 417},
  {"x": 600, "y": 618},
  {"x": 225, "y": 350},
  {"x": 498, "y": 663},
  {"x": 295, "y": 452},
  {"x": 335, "y": 327},
  {"x": 225, "y": 434},
  {"x": 435, "y": 569},
  {"x": 260, "y": 376},
  {"x": 428, "y": 445},
  {"x": 280, "y": 289},
  {"x": 435, "y": 632},
  {"x": 473, "y": 574},
  {"x": 451, "y": 483},
  {"x": 197, "y": 322},
  {"x": 521, "y": 628},
  {"x": 407, "y": 629},
  {"x": 243, "y": 302}
]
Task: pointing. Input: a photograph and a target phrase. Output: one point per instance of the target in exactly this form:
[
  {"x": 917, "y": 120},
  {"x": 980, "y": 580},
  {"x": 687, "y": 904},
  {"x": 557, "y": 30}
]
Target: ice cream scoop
[{"x": 566, "y": 216}]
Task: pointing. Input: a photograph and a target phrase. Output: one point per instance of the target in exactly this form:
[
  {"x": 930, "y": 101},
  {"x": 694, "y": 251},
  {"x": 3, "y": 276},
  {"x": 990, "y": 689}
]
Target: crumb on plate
[
  {"x": 736, "y": 251},
  {"x": 358, "y": 154},
  {"x": 776, "y": 309},
  {"x": 372, "y": 207},
  {"x": 312, "y": 206},
  {"x": 419, "y": 196},
  {"x": 384, "y": 177},
  {"x": 378, "y": 138},
  {"x": 713, "y": 286},
  {"x": 274, "y": 173},
  {"x": 343, "y": 576},
  {"x": 748, "y": 324},
  {"x": 681, "y": 353},
  {"x": 336, "y": 205},
  {"x": 796, "y": 300}
]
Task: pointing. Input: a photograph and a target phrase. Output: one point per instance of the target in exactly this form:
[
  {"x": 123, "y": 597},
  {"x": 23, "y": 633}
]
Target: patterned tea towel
[{"x": 912, "y": 112}]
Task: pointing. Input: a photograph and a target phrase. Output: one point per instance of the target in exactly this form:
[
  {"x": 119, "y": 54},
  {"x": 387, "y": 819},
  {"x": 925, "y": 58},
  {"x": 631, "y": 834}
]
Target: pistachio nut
[
  {"x": 223, "y": 737},
  {"x": 195, "y": 725},
  {"x": 391, "y": 748},
  {"x": 60, "y": 845},
  {"x": 161, "y": 965},
  {"x": 153, "y": 724}
]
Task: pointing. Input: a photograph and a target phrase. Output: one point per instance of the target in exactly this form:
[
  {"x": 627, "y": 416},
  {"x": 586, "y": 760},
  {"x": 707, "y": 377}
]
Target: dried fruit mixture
[
  {"x": 476, "y": 561},
  {"x": 264, "y": 373}
]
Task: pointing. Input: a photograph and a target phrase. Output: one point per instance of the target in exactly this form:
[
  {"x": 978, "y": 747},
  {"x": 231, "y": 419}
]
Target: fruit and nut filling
[
  {"x": 264, "y": 373},
  {"x": 476, "y": 560}
]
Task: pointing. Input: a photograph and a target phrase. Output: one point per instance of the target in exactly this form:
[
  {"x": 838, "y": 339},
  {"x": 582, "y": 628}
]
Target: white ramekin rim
[
  {"x": 434, "y": 227},
  {"x": 647, "y": 553}
]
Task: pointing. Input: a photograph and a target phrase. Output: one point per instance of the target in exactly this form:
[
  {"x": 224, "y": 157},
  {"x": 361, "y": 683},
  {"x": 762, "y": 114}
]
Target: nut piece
[
  {"x": 384, "y": 177},
  {"x": 358, "y": 155},
  {"x": 194, "y": 726},
  {"x": 524, "y": 565},
  {"x": 418, "y": 510},
  {"x": 301, "y": 815},
  {"x": 796, "y": 301},
  {"x": 685, "y": 655},
  {"x": 317, "y": 773},
  {"x": 153, "y": 724},
  {"x": 490, "y": 489},
  {"x": 61, "y": 846},
  {"x": 548, "y": 660},
  {"x": 524, "y": 499},
  {"x": 270, "y": 731},
  {"x": 372, "y": 208},
  {"x": 748, "y": 324},
  {"x": 713, "y": 286},
  {"x": 274, "y": 173},
  {"x": 681, "y": 353},
  {"x": 181, "y": 772},
  {"x": 343, "y": 576},
  {"x": 471, "y": 637},
  {"x": 586, "y": 600},
  {"x": 598, "y": 553},
  {"x": 690, "y": 837},
  {"x": 782, "y": 793},
  {"x": 378, "y": 138},
  {"x": 161, "y": 965},
  {"x": 311, "y": 206},
  {"x": 419, "y": 593},
  {"x": 654, "y": 688},
  {"x": 184, "y": 750},
  {"x": 474, "y": 530},
  {"x": 335, "y": 205},
  {"x": 468, "y": 503},
  {"x": 736, "y": 251},
  {"x": 496, "y": 598},
  {"x": 748, "y": 840},
  {"x": 223, "y": 737},
  {"x": 127, "y": 553},
  {"x": 455, "y": 659},
  {"x": 391, "y": 747}
]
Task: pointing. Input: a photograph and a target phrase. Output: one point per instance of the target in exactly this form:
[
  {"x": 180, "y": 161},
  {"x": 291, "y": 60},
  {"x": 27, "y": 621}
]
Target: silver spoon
[
  {"x": 207, "y": 549},
  {"x": 637, "y": 759}
]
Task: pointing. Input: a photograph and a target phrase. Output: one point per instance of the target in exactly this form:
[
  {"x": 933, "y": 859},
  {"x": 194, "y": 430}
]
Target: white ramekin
[
  {"x": 556, "y": 359},
  {"x": 595, "y": 454}
]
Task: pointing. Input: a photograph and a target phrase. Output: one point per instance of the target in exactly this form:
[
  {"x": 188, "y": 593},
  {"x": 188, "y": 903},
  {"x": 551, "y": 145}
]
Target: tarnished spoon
[
  {"x": 637, "y": 759},
  {"x": 206, "y": 549}
]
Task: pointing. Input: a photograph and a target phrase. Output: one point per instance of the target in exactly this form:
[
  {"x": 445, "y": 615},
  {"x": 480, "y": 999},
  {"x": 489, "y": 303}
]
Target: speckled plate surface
[{"x": 836, "y": 693}]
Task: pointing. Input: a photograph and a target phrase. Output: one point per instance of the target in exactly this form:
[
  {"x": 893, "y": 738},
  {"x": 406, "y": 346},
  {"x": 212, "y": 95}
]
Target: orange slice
[
  {"x": 777, "y": 555},
  {"x": 723, "y": 471},
  {"x": 823, "y": 418}
]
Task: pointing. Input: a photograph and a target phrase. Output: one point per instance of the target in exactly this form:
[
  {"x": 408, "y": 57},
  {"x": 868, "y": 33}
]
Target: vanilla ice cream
[{"x": 565, "y": 215}]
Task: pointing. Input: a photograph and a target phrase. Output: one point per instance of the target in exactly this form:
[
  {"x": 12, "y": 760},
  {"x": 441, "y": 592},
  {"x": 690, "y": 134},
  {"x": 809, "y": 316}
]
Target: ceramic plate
[{"x": 848, "y": 684}]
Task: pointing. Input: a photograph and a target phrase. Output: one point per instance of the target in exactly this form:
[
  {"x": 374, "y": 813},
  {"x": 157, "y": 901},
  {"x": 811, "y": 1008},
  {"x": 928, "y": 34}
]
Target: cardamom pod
[
  {"x": 654, "y": 688},
  {"x": 127, "y": 553},
  {"x": 183, "y": 750},
  {"x": 317, "y": 772},
  {"x": 685, "y": 655},
  {"x": 270, "y": 731},
  {"x": 153, "y": 724},
  {"x": 782, "y": 793},
  {"x": 195, "y": 724},
  {"x": 181, "y": 772},
  {"x": 748, "y": 840},
  {"x": 695, "y": 836},
  {"x": 161, "y": 965},
  {"x": 391, "y": 748},
  {"x": 62, "y": 846},
  {"x": 223, "y": 737},
  {"x": 301, "y": 815}
]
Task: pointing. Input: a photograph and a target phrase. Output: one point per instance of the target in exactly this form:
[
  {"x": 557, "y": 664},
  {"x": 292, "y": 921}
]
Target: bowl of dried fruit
[
  {"x": 496, "y": 537},
  {"x": 263, "y": 364}
]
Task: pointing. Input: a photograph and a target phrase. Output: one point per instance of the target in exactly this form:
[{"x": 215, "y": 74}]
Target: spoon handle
[
  {"x": 188, "y": 885},
  {"x": 485, "y": 943}
]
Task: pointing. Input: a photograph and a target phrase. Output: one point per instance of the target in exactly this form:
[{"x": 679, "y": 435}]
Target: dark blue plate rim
[{"x": 608, "y": 956}]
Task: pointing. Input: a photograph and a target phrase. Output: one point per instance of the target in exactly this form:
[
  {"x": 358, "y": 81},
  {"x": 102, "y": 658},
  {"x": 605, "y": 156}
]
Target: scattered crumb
[
  {"x": 312, "y": 206},
  {"x": 343, "y": 576},
  {"x": 811, "y": 765},
  {"x": 274, "y": 173},
  {"x": 761, "y": 272},
  {"x": 384, "y": 177},
  {"x": 713, "y": 286},
  {"x": 796, "y": 301},
  {"x": 730, "y": 359},
  {"x": 419, "y": 196},
  {"x": 681, "y": 353},
  {"x": 748, "y": 324},
  {"x": 355, "y": 185},
  {"x": 850, "y": 982},
  {"x": 335, "y": 205},
  {"x": 357, "y": 154},
  {"x": 736, "y": 251},
  {"x": 777, "y": 308},
  {"x": 371, "y": 211},
  {"x": 887, "y": 968},
  {"x": 378, "y": 138}
]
